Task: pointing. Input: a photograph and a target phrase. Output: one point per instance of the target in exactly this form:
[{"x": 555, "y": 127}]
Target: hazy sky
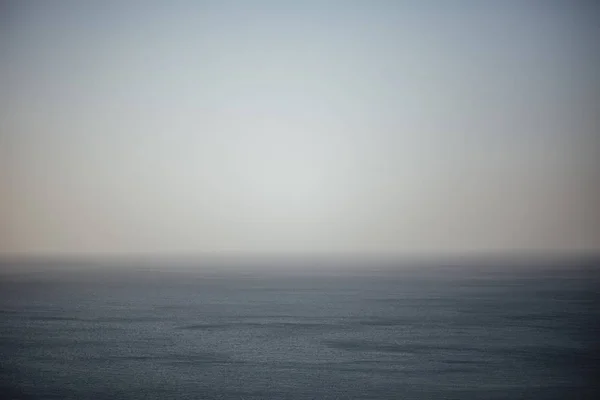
[{"x": 299, "y": 126}]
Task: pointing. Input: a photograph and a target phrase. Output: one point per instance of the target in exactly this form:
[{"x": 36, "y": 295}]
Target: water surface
[{"x": 463, "y": 333}]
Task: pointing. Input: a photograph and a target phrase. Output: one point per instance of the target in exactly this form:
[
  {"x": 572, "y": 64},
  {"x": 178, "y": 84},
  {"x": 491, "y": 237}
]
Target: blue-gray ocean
[{"x": 477, "y": 332}]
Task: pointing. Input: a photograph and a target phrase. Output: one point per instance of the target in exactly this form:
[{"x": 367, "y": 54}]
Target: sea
[{"x": 491, "y": 330}]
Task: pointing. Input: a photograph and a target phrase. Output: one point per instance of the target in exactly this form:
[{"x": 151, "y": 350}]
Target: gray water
[{"x": 453, "y": 333}]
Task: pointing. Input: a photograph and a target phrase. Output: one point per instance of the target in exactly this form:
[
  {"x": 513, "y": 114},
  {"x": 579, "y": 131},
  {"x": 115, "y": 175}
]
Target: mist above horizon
[{"x": 298, "y": 127}]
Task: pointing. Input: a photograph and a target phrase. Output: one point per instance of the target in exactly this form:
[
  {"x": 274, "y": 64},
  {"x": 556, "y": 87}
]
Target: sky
[{"x": 236, "y": 127}]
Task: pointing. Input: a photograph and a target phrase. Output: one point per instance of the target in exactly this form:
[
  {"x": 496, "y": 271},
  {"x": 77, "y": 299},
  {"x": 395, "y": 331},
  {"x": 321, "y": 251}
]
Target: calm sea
[{"x": 487, "y": 332}]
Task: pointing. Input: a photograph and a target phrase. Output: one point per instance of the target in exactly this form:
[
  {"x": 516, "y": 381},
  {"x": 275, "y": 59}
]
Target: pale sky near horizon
[{"x": 299, "y": 126}]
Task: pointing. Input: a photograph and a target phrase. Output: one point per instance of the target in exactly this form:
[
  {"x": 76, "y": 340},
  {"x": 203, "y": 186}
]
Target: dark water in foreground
[{"x": 435, "y": 334}]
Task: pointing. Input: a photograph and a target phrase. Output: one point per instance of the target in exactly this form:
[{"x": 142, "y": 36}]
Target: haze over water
[
  {"x": 298, "y": 127},
  {"x": 299, "y": 200}
]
